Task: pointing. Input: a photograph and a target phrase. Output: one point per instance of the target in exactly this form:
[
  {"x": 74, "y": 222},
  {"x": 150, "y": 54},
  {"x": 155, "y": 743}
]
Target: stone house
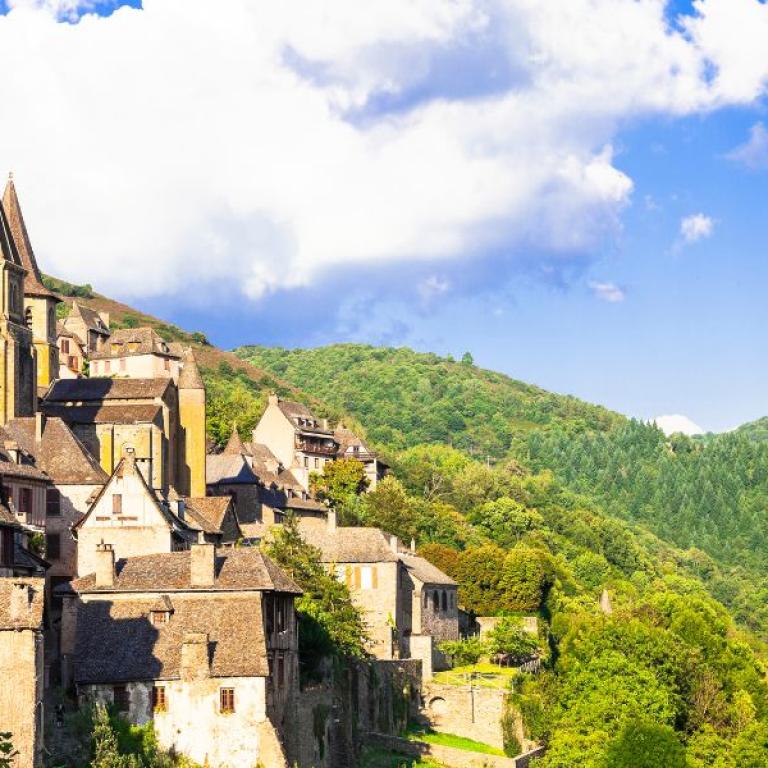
[
  {"x": 203, "y": 644},
  {"x": 88, "y": 325},
  {"x": 72, "y": 353},
  {"x": 353, "y": 447},
  {"x": 22, "y": 669},
  {"x": 137, "y": 353},
  {"x": 39, "y": 302}
]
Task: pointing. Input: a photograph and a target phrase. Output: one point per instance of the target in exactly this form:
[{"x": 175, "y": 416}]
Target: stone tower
[
  {"x": 191, "y": 452},
  {"x": 18, "y": 374},
  {"x": 39, "y": 302}
]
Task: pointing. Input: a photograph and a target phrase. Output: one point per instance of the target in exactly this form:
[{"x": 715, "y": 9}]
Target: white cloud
[
  {"x": 609, "y": 292},
  {"x": 753, "y": 153},
  {"x": 695, "y": 227},
  {"x": 677, "y": 423},
  {"x": 195, "y": 144},
  {"x": 431, "y": 287}
]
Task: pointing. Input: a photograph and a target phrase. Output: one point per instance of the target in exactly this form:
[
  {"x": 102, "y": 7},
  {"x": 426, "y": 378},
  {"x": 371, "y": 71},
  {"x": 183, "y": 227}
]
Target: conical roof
[
  {"x": 7, "y": 245},
  {"x": 33, "y": 282},
  {"x": 190, "y": 377},
  {"x": 235, "y": 444}
]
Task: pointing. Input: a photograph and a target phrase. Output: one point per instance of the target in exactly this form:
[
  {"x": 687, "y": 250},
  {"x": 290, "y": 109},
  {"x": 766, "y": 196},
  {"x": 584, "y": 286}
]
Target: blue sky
[{"x": 455, "y": 177}]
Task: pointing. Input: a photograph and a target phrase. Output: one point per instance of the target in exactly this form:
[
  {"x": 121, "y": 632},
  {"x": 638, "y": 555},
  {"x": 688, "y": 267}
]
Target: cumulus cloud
[
  {"x": 609, "y": 292},
  {"x": 249, "y": 144},
  {"x": 695, "y": 227},
  {"x": 677, "y": 422},
  {"x": 754, "y": 152}
]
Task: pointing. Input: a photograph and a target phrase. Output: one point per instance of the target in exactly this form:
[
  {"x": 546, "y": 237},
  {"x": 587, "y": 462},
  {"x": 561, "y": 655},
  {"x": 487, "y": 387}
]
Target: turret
[{"x": 191, "y": 451}]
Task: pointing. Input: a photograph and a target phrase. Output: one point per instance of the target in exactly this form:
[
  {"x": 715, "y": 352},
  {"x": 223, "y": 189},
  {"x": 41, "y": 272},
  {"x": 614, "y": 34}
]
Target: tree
[
  {"x": 467, "y": 359},
  {"x": 388, "y": 507},
  {"x": 105, "y": 750},
  {"x": 478, "y": 573},
  {"x": 509, "y": 638},
  {"x": 505, "y": 520},
  {"x": 340, "y": 482},
  {"x": 465, "y": 652},
  {"x": 526, "y": 575},
  {"x": 643, "y": 744}
]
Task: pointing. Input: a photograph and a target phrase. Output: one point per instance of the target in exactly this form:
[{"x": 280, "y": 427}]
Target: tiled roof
[
  {"x": 310, "y": 505},
  {"x": 235, "y": 444},
  {"x": 94, "y": 390},
  {"x": 7, "y": 245},
  {"x": 116, "y": 641},
  {"x": 208, "y": 512},
  {"x": 106, "y": 414},
  {"x": 33, "y": 282},
  {"x": 190, "y": 377},
  {"x": 29, "y": 598},
  {"x": 240, "y": 569},
  {"x": 90, "y": 317},
  {"x": 228, "y": 469},
  {"x": 346, "y": 544},
  {"x": 133, "y": 341},
  {"x": 59, "y": 454},
  {"x": 27, "y": 471},
  {"x": 295, "y": 410},
  {"x": 424, "y": 571},
  {"x": 62, "y": 330}
]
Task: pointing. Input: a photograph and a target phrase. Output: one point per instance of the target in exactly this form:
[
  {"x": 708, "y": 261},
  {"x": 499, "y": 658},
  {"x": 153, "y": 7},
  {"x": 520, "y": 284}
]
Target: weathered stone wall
[
  {"x": 21, "y": 693},
  {"x": 436, "y": 620},
  {"x": 74, "y": 504}
]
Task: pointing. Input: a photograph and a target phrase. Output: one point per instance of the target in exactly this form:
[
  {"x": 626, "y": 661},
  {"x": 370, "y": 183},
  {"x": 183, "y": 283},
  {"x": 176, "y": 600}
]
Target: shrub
[{"x": 464, "y": 652}]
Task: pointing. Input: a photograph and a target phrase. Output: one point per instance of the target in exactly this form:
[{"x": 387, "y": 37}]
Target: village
[{"x": 131, "y": 572}]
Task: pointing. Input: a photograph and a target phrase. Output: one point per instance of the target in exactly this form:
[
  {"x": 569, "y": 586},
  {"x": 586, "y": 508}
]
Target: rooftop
[
  {"x": 207, "y": 512},
  {"x": 97, "y": 389},
  {"x": 126, "y": 342},
  {"x": 348, "y": 544}
]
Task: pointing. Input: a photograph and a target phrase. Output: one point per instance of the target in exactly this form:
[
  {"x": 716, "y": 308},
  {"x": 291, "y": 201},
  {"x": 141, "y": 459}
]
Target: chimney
[
  {"x": 105, "y": 565},
  {"x": 333, "y": 521},
  {"x": 21, "y": 601},
  {"x": 39, "y": 426},
  {"x": 394, "y": 543},
  {"x": 13, "y": 451},
  {"x": 104, "y": 318},
  {"x": 273, "y": 399},
  {"x": 413, "y": 546},
  {"x": 202, "y": 562},
  {"x": 194, "y": 656}
]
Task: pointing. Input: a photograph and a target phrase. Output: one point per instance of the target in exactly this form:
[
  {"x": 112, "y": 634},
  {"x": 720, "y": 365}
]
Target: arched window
[{"x": 444, "y": 600}]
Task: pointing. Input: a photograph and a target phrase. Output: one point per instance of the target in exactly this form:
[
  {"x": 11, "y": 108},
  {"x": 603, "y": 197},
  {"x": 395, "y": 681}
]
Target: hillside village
[{"x": 131, "y": 568}]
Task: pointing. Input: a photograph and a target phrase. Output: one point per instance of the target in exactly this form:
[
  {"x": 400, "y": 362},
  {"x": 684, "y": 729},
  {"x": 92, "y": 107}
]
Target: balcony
[{"x": 311, "y": 446}]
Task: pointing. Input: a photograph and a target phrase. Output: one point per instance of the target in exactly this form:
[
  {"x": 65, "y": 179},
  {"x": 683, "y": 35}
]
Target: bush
[
  {"x": 509, "y": 638},
  {"x": 464, "y": 652}
]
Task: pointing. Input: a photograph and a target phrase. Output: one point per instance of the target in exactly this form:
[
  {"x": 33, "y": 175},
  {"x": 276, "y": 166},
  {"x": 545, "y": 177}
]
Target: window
[
  {"x": 72, "y": 363},
  {"x": 120, "y": 698},
  {"x": 280, "y": 669},
  {"x": 122, "y": 363},
  {"x": 95, "y": 366},
  {"x": 281, "y": 615},
  {"x": 444, "y": 601},
  {"x": 435, "y": 602},
  {"x": 52, "y": 502},
  {"x": 167, "y": 364},
  {"x": 366, "y": 577},
  {"x": 107, "y": 366},
  {"x": 117, "y": 504},
  {"x": 306, "y": 462},
  {"x": 25, "y": 501},
  {"x": 160, "y": 617},
  {"x": 6, "y": 546},
  {"x": 65, "y": 346},
  {"x": 317, "y": 463},
  {"x": 158, "y": 698},
  {"x": 52, "y": 546},
  {"x": 426, "y": 599},
  {"x": 28, "y": 317},
  {"x": 226, "y": 701}
]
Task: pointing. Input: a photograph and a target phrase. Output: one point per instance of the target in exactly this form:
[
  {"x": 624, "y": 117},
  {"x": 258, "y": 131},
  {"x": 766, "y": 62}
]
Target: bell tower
[{"x": 39, "y": 302}]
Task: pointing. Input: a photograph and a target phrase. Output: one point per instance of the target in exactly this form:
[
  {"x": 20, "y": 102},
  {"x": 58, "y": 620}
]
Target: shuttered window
[{"x": 226, "y": 700}]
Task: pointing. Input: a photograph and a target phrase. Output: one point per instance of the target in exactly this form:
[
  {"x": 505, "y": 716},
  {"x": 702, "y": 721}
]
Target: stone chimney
[
  {"x": 394, "y": 543},
  {"x": 14, "y": 452},
  {"x": 105, "y": 565},
  {"x": 195, "y": 663},
  {"x": 333, "y": 521},
  {"x": 39, "y": 426},
  {"x": 21, "y": 601},
  {"x": 324, "y": 424},
  {"x": 273, "y": 399},
  {"x": 202, "y": 564}
]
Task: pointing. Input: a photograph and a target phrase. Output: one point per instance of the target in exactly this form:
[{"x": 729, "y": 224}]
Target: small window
[
  {"x": 120, "y": 698},
  {"x": 65, "y": 346},
  {"x": 426, "y": 599},
  {"x": 25, "y": 501},
  {"x": 72, "y": 363},
  {"x": 122, "y": 363},
  {"x": 281, "y": 615},
  {"x": 52, "y": 502},
  {"x": 52, "y": 546},
  {"x": 366, "y": 577},
  {"x": 28, "y": 317},
  {"x": 159, "y": 702},
  {"x": 160, "y": 617},
  {"x": 444, "y": 601},
  {"x": 306, "y": 462},
  {"x": 107, "y": 366},
  {"x": 317, "y": 463},
  {"x": 226, "y": 701},
  {"x": 435, "y": 602},
  {"x": 167, "y": 364},
  {"x": 117, "y": 504}
]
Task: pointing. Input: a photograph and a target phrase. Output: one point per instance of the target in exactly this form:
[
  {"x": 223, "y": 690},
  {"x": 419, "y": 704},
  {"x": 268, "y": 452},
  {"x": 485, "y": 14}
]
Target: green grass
[
  {"x": 451, "y": 740},
  {"x": 487, "y": 675},
  {"x": 374, "y": 757}
]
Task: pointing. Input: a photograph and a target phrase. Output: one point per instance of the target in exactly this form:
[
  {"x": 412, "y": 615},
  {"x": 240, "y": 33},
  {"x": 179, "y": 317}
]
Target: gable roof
[
  {"x": 59, "y": 454},
  {"x": 241, "y": 569},
  {"x": 7, "y": 244},
  {"x": 33, "y": 281},
  {"x": 134, "y": 341},
  {"x": 90, "y": 317},
  {"x": 228, "y": 469},
  {"x": 116, "y": 642},
  {"x": 209, "y": 512},
  {"x": 348, "y": 544},
  {"x": 98, "y": 389},
  {"x": 424, "y": 571},
  {"x": 30, "y": 598},
  {"x": 62, "y": 330}
]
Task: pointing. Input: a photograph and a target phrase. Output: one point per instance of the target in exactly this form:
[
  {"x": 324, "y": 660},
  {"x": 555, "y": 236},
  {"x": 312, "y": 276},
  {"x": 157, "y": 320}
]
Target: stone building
[
  {"x": 137, "y": 353},
  {"x": 18, "y": 390},
  {"x": 88, "y": 325},
  {"x": 22, "y": 668},
  {"x": 15, "y": 556},
  {"x": 353, "y": 447},
  {"x": 39, "y": 302},
  {"x": 203, "y": 644},
  {"x": 72, "y": 353}
]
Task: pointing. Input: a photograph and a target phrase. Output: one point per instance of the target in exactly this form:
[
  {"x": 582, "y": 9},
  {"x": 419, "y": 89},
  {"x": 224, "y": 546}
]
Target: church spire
[
  {"x": 33, "y": 282},
  {"x": 235, "y": 444}
]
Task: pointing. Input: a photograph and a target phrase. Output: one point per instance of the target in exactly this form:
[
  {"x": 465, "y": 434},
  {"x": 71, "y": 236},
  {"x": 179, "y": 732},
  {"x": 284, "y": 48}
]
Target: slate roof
[
  {"x": 208, "y": 512},
  {"x": 295, "y": 410},
  {"x": 7, "y": 245},
  {"x": 62, "y": 330},
  {"x": 190, "y": 377},
  {"x": 106, "y": 414},
  {"x": 96, "y": 389},
  {"x": 309, "y": 505},
  {"x": 26, "y": 471},
  {"x": 228, "y": 469},
  {"x": 59, "y": 454},
  {"x": 116, "y": 642},
  {"x": 235, "y": 444},
  {"x": 424, "y": 571},
  {"x": 90, "y": 317},
  {"x": 236, "y": 569},
  {"x": 31, "y": 617},
  {"x": 33, "y": 281},
  {"x": 134, "y": 341},
  {"x": 347, "y": 544}
]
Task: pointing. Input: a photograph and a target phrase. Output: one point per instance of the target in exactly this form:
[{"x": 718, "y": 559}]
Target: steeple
[
  {"x": 8, "y": 250},
  {"x": 33, "y": 282},
  {"x": 235, "y": 444}
]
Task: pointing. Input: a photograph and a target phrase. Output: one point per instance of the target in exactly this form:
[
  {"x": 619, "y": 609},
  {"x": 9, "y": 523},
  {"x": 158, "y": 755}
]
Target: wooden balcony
[{"x": 311, "y": 446}]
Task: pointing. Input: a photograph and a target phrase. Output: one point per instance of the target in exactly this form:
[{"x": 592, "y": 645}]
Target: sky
[{"x": 573, "y": 191}]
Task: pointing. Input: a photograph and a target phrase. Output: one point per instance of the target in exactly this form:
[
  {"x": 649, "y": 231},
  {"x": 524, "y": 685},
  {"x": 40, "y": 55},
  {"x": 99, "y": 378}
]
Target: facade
[
  {"x": 72, "y": 353},
  {"x": 204, "y": 644},
  {"x": 88, "y": 325},
  {"x": 137, "y": 353},
  {"x": 22, "y": 666},
  {"x": 39, "y": 302},
  {"x": 353, "y": 447}
]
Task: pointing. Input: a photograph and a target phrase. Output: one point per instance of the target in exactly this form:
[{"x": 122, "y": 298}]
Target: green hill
[{"x": 405, "y": 398}]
